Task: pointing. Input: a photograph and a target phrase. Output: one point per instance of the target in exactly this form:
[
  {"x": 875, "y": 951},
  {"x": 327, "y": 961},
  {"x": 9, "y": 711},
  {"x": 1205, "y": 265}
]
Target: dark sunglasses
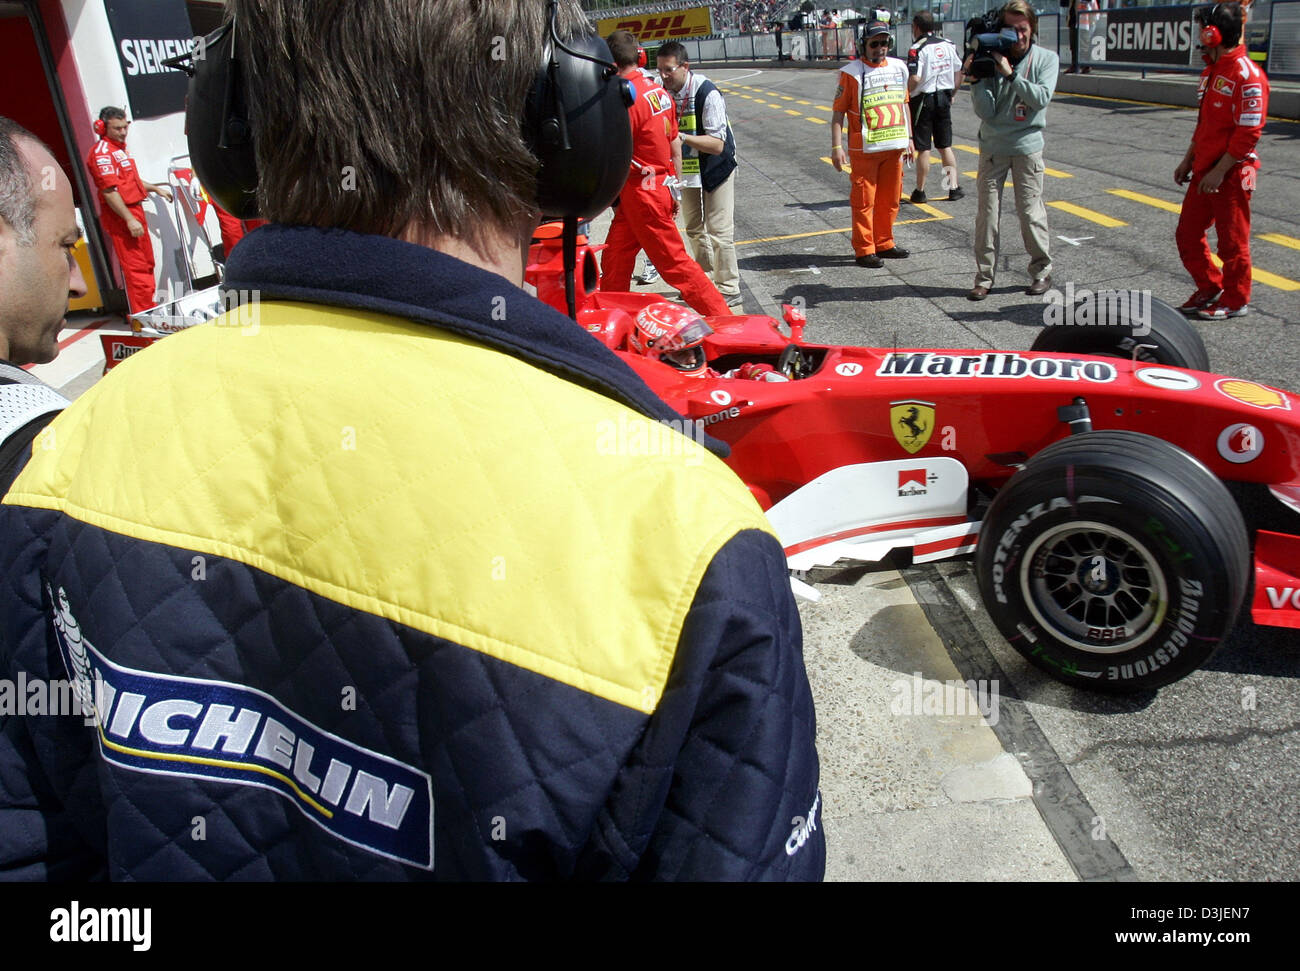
[{"x": 877, "y": 43}]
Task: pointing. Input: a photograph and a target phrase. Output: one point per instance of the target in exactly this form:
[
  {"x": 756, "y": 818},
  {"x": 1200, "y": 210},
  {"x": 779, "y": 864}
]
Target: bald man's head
[{"x": 38, "y": 230}]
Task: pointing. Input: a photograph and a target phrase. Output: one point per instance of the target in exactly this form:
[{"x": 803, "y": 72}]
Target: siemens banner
[
  {"x": 145, "y": 33},
  {"x": 1148, "y": 35}
]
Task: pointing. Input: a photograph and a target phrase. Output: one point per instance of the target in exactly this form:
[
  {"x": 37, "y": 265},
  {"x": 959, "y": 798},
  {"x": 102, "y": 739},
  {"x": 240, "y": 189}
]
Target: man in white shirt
[
  {"x": 708, "y": 173},
  {"x": 936, "y": 75}
]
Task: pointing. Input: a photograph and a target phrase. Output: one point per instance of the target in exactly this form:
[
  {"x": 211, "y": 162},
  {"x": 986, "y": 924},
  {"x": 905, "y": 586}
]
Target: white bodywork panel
[{"x": 863, "y": 511}]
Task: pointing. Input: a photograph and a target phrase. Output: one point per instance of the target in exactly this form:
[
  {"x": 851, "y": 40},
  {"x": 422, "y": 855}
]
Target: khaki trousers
[
  {"x": 1027, "y": 180},
  {"x": 711, "y": 228}
]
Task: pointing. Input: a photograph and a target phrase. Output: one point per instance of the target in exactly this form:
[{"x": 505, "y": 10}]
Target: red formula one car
[{"x": 1086, "y": 475}]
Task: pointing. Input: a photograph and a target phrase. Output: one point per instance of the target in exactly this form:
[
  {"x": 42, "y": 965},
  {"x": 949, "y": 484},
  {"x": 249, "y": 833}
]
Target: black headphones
[{"x": 575, "y": 121}]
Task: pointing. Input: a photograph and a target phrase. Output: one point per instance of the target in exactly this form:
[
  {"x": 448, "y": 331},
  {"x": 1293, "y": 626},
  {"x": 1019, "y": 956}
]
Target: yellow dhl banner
[{"x": 659, "y": 27}]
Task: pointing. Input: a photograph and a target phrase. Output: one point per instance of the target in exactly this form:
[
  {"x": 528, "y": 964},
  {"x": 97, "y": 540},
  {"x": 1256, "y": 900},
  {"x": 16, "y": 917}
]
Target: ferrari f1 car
[{"x": 1086, "y": 475}]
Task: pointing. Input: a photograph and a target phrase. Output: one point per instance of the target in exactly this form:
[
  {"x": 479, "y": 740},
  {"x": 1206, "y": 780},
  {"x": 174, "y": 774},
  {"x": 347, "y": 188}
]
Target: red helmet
[{"x": 673, "y": 334}]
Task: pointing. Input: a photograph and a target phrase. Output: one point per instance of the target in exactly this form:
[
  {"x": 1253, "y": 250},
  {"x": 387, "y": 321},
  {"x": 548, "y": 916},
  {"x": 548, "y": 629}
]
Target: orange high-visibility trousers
[{"x": 877, "y": 188}]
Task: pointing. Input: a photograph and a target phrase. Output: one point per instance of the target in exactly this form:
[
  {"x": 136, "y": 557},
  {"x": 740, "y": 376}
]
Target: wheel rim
[{"x": 1094, "y": 587}]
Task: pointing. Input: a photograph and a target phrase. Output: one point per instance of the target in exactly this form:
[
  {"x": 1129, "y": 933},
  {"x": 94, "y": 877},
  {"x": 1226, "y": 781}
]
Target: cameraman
[{"x": 1012, "y": 106}]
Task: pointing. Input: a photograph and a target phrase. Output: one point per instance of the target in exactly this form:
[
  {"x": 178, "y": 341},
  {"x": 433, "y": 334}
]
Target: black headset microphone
[{"x": 575, "y": 122}]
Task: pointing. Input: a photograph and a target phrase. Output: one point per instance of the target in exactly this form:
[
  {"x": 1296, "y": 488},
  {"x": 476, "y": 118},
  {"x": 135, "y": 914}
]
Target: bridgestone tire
[
  {"x": 1177, "y": 343},
  {"x": 1114, "y": 561}
]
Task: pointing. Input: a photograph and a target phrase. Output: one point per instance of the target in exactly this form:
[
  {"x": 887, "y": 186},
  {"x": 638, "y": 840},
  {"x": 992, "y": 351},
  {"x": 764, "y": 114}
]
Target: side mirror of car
[{"x": 795, "y": 317}]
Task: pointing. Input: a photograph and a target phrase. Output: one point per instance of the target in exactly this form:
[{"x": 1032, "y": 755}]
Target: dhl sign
[{"x": 647, "y": 28}]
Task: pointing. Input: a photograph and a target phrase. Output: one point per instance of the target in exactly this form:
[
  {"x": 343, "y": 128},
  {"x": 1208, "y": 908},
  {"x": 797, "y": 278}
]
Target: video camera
[{"x": 986, "y": 36}]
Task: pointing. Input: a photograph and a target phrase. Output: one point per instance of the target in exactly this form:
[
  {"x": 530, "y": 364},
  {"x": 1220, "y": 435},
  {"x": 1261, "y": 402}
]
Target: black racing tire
[
  {"x": 1114, "y": 561},
  {"x": 1177, "y": 342}
]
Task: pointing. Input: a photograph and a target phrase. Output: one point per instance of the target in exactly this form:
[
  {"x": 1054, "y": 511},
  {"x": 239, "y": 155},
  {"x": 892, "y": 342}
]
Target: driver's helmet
[{"x": 674, "y": 335}]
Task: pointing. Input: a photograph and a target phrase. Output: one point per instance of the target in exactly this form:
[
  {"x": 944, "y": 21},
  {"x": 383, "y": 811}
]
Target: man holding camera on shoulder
[{"x": 1010, "y": 97}]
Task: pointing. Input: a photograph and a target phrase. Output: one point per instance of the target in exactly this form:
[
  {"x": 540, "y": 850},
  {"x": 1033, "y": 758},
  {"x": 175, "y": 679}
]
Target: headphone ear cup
[
  {"x": 1210, "y": 36},
  {"x": 576, "y": 123},
  {"x": 216, "y": 123},
  {"x": 100, "y": 128}
]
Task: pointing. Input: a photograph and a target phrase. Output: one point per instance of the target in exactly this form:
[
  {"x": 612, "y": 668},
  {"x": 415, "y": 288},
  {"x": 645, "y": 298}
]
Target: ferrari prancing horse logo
[{"x": 912, "y": 422}]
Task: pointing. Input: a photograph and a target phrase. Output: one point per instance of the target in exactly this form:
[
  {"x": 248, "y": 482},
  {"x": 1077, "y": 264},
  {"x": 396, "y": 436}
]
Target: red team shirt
[
  {"x": 1234, "y": 104},
  {"x": 654, "y": 125},
  {"x": 112, "y": 168}
]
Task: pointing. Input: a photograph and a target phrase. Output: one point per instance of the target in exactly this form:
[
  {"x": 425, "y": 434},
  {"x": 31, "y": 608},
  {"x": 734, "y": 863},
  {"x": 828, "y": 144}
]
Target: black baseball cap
[{"x": 876, "y": 27}]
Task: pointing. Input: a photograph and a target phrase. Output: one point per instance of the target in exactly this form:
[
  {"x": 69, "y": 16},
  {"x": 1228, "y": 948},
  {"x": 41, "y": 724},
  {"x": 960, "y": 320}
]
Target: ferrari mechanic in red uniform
[
  {"x": 118, "y": 180},
  {"x": 644, "y": 218},
  {"x": 1220, "y": 166}
]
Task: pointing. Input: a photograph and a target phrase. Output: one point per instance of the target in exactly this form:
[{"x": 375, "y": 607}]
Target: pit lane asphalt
[{"x": 1197, "y": 781}]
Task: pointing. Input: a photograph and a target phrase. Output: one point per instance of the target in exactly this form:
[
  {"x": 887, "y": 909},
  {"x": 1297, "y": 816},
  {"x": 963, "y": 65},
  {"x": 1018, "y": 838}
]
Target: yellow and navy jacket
[{"x": 392, "y": 573}]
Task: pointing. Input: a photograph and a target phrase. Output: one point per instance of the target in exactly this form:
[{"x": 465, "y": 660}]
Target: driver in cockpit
[{"x": 675, "y": 335}]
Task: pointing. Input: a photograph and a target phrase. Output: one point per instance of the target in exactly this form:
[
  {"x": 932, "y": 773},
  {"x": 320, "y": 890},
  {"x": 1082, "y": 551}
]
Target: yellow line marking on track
[
  {"x": 1264, "y": 277},
  {"x": 803, "y": 102},
  {"x": 971, "y": 175},
  {"x": 1281, "y": 240},
  {"x": 1156, "y": 104},
  {"x": 815, "y": 121},
  {"x": 1054, "y": 173},
  {"x": 827, "y": 232},
  {"x": 926, "y": 207},
  {"x": 775, "y": 94},
  {"x": 829, "y": 111},
  {"x": 776, "y": 107},
  {"x": 791, "y": 111},
  {"x": 747, "y": 97},
  {"x": 1088, "y": 214},
  {"x": 786, "y": 97},
  {"x": 1164, "y": 204}
]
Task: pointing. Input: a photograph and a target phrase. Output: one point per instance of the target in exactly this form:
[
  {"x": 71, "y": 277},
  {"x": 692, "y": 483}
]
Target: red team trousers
[
  {"x": 644, "y": 220},
  {"x": 1228, "y": 211},
  {"x": 136, "y": 257}
]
